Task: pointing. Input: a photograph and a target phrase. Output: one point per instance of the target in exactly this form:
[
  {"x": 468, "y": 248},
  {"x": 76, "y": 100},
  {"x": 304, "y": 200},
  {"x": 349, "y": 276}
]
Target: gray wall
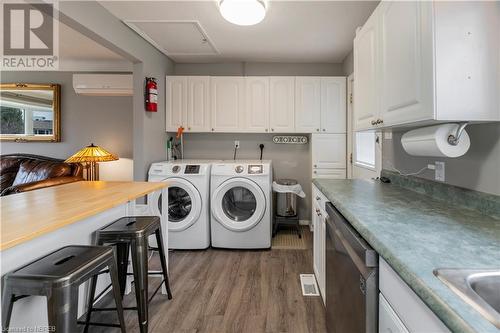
[
  {"x": 106, "y": 121},
  {"x": 348, "y": 64},
  {"x": 259, "y": 69},
  {"x": 95, "y": 22},
  {"x": 289, "y": 161},
  {"x": 478, "y": 169}
]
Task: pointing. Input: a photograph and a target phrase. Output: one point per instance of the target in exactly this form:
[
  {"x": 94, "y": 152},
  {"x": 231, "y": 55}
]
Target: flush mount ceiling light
[{"x": 243, "y": 12}]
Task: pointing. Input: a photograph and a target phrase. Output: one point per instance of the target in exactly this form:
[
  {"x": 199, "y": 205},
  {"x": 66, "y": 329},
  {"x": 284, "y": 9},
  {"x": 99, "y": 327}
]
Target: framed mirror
[{"x": 30, "y": 112}]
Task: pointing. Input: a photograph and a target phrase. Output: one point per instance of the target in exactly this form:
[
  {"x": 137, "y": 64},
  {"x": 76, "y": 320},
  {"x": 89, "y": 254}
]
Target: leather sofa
[{"x": 25, "y": 172}]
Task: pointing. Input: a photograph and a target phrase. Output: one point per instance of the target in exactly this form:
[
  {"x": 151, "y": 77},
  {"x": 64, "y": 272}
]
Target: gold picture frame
[{"x": 10, "y": 96}]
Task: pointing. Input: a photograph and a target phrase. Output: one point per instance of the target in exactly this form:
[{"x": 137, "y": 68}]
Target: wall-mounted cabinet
[
  {"x": 188, "y": 103},
  {"x": 403, "y": 73},
  {"x": 256, "y": 104},
  {"x": 282, "y": 107}
]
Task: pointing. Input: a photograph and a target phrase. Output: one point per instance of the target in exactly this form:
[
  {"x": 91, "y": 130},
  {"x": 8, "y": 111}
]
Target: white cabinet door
[
  {"x": 329, "y": 173},
  {"x": 388, "y": 320},
  {"x": 175, "y": 102},
  {"x": 366, "y": 102},
  {"x": 307, "y": 104},
  {"x": 329, "y": 151},
  {"x": 282, "y": 102},
  {"x": 316, "y": 243},
  {"x": 406, "y": 63},
  {"x": 227, "y": 99},
  {"x": 198, "y": 104},
  {"x": 322, "y": 249},
  {"x": 333, "y": 105},
  {"x": 257, "y": 104}
]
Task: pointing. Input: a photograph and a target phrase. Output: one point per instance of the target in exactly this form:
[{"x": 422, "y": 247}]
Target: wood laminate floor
[{"x": 232, "y": 291}]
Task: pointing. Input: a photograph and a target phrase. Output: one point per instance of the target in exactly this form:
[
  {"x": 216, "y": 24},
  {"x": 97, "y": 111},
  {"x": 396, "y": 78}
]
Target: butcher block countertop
[{"x": 31, "y": 214}]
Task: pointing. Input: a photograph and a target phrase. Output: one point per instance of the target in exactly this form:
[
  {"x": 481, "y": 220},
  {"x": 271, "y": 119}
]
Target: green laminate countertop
[{"x": 415, "y": 234}]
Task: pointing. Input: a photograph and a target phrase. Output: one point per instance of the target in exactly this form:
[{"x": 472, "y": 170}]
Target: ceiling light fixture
[{"x": 243, "y": 12}]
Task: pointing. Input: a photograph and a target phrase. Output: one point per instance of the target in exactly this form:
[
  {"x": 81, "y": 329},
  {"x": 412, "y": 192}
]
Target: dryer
[
  {"x": 188, "y": 201},
  {"x": 240, "y": 203}
]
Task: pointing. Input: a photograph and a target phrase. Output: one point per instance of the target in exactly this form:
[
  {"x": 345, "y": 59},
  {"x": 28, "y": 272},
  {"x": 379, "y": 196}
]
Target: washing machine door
[
  {"x": 184, "y": 204},
  {"x": 238, "y": 204}
]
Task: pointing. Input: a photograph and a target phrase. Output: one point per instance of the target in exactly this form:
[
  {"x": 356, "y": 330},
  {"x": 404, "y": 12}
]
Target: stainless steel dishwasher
[{"x": 351, "y": 278}]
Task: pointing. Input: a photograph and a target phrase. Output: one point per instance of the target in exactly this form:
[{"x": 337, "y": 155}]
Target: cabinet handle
[{"x": 318, "y": 198}]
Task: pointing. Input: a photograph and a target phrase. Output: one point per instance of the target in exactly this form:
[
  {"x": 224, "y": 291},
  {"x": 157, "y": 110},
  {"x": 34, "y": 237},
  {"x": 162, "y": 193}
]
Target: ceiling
[
  {"x": 77, "y": 47},
  {"x": 292, "y": 31}
]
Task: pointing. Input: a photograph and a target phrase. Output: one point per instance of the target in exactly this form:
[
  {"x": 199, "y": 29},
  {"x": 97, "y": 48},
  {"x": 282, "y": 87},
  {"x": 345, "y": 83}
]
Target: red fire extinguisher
[{"x": 151, "y": 94}]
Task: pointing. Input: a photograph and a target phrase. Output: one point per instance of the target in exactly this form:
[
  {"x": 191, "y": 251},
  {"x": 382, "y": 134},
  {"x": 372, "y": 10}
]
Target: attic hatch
[{"x": 175, "y": 38}]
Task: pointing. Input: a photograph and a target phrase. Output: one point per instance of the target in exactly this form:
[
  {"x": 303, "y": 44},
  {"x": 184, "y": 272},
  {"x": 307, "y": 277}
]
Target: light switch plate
[{"x": 439, "y": 176}]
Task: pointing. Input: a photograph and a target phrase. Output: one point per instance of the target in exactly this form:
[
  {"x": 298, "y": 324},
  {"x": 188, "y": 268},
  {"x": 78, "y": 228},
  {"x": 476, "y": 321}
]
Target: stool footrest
[{"x": 81, "y": 322}]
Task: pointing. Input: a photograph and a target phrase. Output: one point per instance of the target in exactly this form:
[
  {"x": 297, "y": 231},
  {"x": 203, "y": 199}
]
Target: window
[{"x": 365, "y": 149}]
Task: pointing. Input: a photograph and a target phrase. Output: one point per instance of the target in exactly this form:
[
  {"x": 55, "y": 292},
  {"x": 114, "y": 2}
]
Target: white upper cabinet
[
  {"x": 333, "y": 105},
  {"x": 257, "y": 104},
  {"x": 282, "y": 104},
  {"x": 198, "y": 104},
  {"x": 307, "y": 104},
  {"x": 328, "y": 151},
  {"x": 227, "y": 103},
  {"x": 366, "y": 103},
  {"x": 427, "y": 62},
  {"x": 176, "y": 102},
  {"x": 406, "y": 62}
]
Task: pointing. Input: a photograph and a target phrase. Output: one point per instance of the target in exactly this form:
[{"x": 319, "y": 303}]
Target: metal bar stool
[
  {"x": 58, "y": 276},
  {"x": 133, "y": 232}
]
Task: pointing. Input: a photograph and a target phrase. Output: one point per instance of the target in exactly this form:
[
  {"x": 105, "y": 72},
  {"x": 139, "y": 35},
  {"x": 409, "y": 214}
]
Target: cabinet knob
[
  {"x": 272, "y": 129},
  {"x": 212, "y": 129},
  {"x": 315, "y": 171},
  {"x": 189, "y": 128},
  {"x": 374, "y": 122},
  {"x": 267, "y": 130},
  {"x": 381, "y": 121},
  {"x": 317, "y": 129},
  {"x": 318, "y": 198},
  {"x": 315, "y": 165},
  {"x": 324, "y": 130}
]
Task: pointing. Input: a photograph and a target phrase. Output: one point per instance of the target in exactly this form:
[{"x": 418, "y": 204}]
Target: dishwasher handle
[{"x": 358, "y": 249}]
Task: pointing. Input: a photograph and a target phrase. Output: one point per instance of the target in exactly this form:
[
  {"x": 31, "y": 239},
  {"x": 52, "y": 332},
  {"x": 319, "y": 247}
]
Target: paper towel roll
[{"x": 433, "y": 141}]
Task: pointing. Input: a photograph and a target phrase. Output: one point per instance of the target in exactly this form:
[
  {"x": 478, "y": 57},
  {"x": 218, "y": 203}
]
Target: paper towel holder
[{"x": 454, "y": 139}]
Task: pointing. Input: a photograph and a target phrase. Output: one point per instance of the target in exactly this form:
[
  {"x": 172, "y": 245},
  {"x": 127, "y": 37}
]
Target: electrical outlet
[
  {"x": 439, "y": 171},
  {"x": 236, "y": 144}
]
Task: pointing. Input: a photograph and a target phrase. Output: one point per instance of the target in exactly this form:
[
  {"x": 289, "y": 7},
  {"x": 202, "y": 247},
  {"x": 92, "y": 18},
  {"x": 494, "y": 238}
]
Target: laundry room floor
[{"x": 232, "y": 291}]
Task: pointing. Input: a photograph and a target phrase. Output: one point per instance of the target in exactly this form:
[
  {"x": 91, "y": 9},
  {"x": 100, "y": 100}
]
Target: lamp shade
[{"x": 91, "y": 154}]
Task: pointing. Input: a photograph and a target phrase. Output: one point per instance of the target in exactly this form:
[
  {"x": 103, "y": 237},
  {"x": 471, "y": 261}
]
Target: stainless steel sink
[{"x": 478, "y": 287}]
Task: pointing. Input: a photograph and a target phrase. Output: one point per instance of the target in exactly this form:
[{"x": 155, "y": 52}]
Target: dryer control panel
[{"x": 192, "y": 169}]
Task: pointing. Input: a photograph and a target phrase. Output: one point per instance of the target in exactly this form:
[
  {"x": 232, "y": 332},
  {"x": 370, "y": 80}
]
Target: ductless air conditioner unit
[{"x": 103, "y": 84}]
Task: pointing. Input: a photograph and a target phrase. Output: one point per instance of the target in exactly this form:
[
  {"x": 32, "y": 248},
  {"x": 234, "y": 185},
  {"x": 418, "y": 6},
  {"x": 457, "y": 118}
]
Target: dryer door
[
  {"x": 238, "y": 204},
  {"x": 184, "y": 204}
]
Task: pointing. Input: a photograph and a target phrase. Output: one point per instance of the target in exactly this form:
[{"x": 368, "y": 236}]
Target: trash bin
[{"x": 286, "y": 196}]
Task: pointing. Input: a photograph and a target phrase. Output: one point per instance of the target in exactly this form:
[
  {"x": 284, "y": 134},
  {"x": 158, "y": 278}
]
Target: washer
[
  {"x": 241, "y": 204},
  {"x": 188, "y": 201}
]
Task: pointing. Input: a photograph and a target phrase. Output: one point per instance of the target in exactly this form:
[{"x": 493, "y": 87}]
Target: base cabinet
[{"x": 319, "y": 240}]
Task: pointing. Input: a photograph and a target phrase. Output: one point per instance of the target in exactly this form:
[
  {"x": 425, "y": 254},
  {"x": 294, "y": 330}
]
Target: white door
[
  {"x": 227, "y": 103},
  {"x": 175, "y": 102},
  {"x": 328, "y": 151},
  {"x": 333, "y": 105},
  {"x": 282, "y": 102},
  {"x": 307, "y": 104},
  {"x": 198, "y": 104},
  {"x": 238, "y": 204},
  {"x": 365, "y": 72},
  {"x": 257, "y": 104},
  {"x": 406, "y": 62}
]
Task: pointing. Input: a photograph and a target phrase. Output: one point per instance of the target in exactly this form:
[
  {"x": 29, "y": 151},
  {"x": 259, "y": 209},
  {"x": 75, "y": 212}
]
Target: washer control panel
[
  {"x": 254, "y": 169},
  {"x": 192, "y": 169}
]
